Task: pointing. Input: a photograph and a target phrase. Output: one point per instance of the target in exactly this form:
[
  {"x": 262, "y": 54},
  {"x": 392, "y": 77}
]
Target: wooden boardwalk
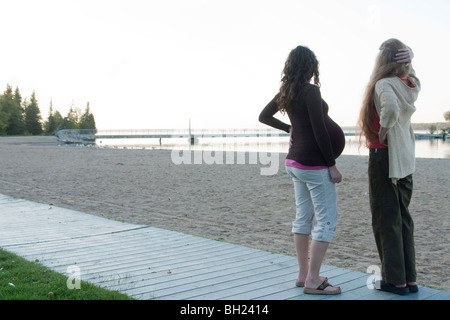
[{"x": 151, "y": 263}]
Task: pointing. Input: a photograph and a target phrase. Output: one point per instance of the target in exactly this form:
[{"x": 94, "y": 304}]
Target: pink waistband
[{"x": 295, "y": 164}]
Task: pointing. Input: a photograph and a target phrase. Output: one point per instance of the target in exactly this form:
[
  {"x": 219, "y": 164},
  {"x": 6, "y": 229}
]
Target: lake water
[{"x": 425, "y": 148}]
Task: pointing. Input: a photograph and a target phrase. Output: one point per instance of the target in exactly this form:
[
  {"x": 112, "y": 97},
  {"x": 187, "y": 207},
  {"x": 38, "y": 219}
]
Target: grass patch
[{"x": 24, "y": 280}]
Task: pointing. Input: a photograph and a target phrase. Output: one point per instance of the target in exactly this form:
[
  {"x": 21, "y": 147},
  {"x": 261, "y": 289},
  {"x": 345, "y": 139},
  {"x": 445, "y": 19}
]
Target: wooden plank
[
  {"x": 151, "y": 263},
  {"x": 128, "y": 242},
  {"x": 226, "y": 284},
  {"x": 47, "y": 225},
  {"x": 437, "y": 295},
  {"x": 289, "y": 292},
  {"x": 191, "y": 271}
]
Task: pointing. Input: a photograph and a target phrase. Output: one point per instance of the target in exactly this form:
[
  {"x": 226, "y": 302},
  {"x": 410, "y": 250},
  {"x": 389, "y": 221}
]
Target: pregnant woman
[{"x": 315, "y": 142}]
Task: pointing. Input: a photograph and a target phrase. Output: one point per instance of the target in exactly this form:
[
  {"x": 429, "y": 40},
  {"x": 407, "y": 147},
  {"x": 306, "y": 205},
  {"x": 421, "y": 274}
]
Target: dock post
[{"x": 191, "y": 136}]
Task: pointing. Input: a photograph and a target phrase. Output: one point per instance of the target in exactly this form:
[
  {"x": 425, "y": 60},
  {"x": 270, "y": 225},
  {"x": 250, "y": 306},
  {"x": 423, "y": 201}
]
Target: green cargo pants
[{"x": 392, "y": 224}]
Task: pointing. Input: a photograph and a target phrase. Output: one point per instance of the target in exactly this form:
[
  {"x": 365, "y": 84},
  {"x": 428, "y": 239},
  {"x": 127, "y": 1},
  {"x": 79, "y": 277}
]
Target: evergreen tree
[
  {"x": 87, "y": 120},
  {"x": 12, "y": 119},
  {"x": 48, "y": 125},
  {"x": 71, "y": 121},
  {"x": 18, "y": 97},
  {"x": 4, "y": 117},
  {"x": 17, "y": 122},
  {"x": 19, "y": 117},
  {"x": 33, "y": 117},
  {"x": 57, "y": 119},
  {"x": 53, "y": 121}
]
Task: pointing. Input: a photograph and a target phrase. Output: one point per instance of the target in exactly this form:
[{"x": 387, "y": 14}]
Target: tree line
[{"x": 23, "y": 117}]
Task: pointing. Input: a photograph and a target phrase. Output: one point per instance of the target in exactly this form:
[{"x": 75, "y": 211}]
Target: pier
[
  {"x": 89, "y": 136},
  {"x": 85, "y": 136}
]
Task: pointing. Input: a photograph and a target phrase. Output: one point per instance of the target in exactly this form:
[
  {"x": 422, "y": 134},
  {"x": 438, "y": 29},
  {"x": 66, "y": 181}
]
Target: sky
[{"x": 144, "y": 64}]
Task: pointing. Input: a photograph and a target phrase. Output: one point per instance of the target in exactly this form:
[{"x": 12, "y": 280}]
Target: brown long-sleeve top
[{"x": 316, "y": 140}]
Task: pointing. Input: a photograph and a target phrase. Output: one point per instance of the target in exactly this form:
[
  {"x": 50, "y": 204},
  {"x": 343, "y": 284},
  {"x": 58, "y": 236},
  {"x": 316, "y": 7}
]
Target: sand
[{"x": 226, "y": 202}]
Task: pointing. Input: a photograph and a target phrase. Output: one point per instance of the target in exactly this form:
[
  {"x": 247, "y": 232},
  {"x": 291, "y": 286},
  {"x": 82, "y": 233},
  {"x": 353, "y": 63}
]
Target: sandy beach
[{"x": 226, "y": 202}]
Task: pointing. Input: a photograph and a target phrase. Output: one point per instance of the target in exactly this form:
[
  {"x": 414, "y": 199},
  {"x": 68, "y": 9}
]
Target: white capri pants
[{"x": 316, "y": 203}]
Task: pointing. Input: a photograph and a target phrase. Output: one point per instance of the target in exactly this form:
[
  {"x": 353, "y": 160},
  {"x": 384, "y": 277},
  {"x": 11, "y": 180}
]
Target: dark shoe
[
  {"x": 413, "y": 288},
  {"x": 384, "y": 286}
]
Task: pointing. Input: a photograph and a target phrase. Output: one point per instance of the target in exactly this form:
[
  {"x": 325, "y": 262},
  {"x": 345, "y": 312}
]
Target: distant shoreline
[
  {"x": 416, "y": 126},
  {"x": 427, "y": 146}
]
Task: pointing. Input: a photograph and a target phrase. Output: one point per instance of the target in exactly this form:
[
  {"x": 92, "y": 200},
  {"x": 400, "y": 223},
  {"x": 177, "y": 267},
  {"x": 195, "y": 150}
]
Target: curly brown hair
[{"x": 300, "y": 67}]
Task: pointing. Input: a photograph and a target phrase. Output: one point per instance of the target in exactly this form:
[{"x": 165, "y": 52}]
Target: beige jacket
[{"x": 394, "y": 101}]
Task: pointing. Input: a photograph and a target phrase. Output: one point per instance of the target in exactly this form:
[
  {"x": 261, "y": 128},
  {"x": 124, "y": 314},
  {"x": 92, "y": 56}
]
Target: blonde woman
[{"x": 385, "y": 120}]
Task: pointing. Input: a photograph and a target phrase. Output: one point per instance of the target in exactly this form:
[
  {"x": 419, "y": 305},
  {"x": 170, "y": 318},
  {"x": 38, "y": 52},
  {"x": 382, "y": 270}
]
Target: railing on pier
[
  {"x": 90, "y": 135},
  {"x": 185, "y": 133}
]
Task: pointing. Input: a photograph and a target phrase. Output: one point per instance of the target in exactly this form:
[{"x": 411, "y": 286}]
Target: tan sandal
[
  {"x": 302, "y": 283},
  {"x": 299, "y": 283},
  {"x": 321, "y": 289}
]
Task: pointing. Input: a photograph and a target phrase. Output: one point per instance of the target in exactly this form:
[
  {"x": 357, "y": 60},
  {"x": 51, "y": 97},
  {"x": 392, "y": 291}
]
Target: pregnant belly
[{"x": 337, "y": 137}]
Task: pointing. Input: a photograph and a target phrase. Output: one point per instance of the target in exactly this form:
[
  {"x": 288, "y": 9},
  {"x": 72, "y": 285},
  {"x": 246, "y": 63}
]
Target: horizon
[
  {"x": 157, "y": 64},
  {"x": 415, "y": 125}
]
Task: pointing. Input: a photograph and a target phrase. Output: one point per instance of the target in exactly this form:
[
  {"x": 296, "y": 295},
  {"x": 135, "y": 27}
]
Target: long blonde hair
[{"x": 385, "y": 67}]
